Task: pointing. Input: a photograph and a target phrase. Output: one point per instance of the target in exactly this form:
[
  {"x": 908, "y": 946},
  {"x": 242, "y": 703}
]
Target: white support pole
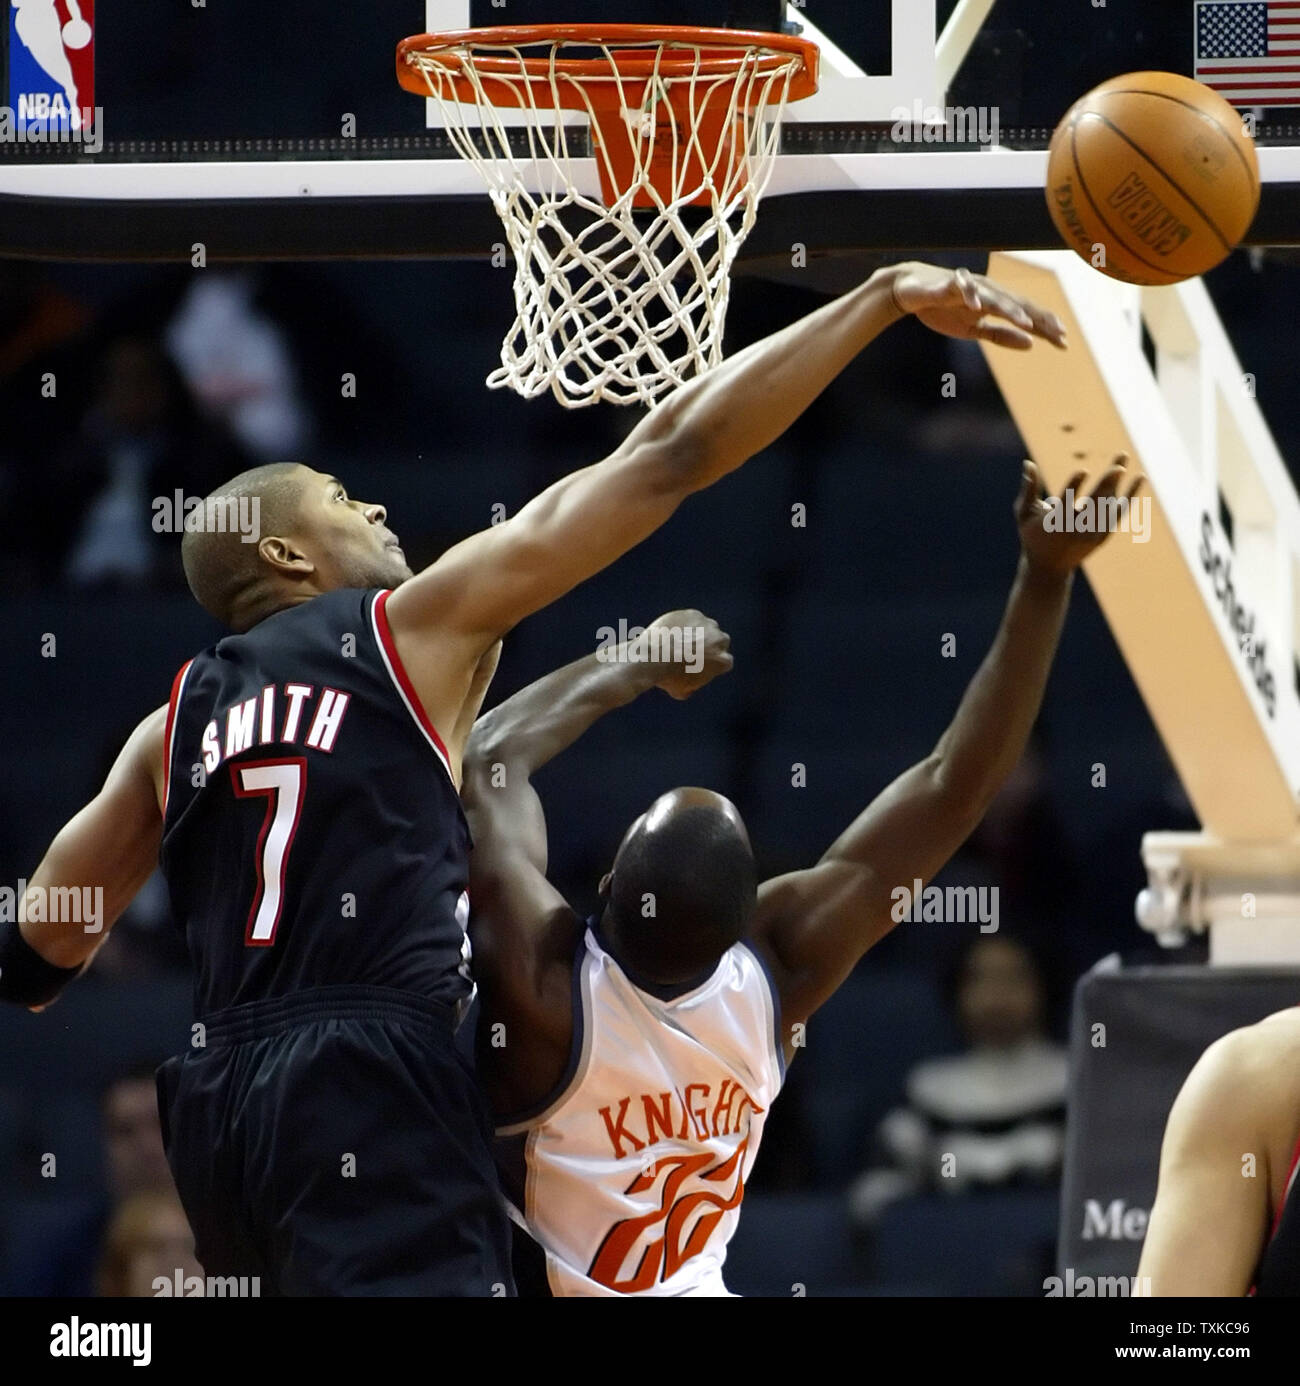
[
  {"x": 1246, "y": 896},
  {"x": 849, "y": 94},
  {"x": 958, "y": 36},
  {"x": 443, "y": 16},
  {"x": 440, "y": 15},
  {"x": 835, "y": 62}
]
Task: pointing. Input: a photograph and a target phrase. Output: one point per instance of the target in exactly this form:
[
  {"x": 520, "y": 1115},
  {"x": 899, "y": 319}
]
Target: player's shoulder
[
  {"x": 1249, "y": 1068},
  {"x": 141, "y": 760},
  {"x": 151, "y": 728},
  {"x": 145, "y": 744},
  {"x": 1270, "y": 1045}
]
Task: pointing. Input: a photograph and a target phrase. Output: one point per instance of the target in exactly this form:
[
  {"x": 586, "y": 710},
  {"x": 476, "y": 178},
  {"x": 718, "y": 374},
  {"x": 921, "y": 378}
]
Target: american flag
[{"x": 1249, "y": 50}]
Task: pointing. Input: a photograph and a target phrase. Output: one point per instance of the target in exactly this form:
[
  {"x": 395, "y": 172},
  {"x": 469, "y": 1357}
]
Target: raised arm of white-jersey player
[
  {"x": 446, "y": 616},
  {"x": 1210, "y": 1220},
  {"x": 110, "y": 846},
  {"x": 522, "y": 929},
  {"x": 815, "y": 925}
]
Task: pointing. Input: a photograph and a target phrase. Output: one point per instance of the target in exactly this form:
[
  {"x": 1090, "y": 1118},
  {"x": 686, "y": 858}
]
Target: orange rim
[{"x": 724, "y": 53}]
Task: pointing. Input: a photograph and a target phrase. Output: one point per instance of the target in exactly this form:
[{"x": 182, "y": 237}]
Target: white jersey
[{"x": 630, "y": 1179}]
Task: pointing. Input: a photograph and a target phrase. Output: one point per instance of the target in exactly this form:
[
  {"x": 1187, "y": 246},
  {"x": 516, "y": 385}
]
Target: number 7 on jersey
[{"x": 282, "y": 783}]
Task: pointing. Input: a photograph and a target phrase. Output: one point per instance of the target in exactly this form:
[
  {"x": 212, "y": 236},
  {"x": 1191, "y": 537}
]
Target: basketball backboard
[{"x": 274, "y": 133}]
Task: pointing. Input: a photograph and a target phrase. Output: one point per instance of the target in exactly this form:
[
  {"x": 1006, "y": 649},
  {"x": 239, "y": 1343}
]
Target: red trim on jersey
[
  {"x": 403, "y": 679},
  {"x": 272, "y": 804},
  {"x": 1286, "y": 1189},
  {"x": 172, "y": 701}
]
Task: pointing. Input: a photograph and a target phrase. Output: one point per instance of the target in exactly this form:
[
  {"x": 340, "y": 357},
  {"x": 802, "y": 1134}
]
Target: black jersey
[
  {"x": 1279, "y": 1268},
  {"x": 312, "y": 832}
]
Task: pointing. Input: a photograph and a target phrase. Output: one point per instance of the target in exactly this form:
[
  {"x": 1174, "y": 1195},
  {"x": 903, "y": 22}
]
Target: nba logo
[{"x": 51, "y": 65}]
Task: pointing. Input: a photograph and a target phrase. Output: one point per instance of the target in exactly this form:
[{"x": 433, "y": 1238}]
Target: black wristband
[{"x": 25, "y": 976}]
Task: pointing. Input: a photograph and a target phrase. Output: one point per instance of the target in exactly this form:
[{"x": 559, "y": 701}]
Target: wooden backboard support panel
[{"x": 1206, "y": 622}]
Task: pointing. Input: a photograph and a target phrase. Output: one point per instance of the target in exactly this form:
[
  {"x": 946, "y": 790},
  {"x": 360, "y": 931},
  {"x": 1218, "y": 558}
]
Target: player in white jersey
[{"x": 631, "y": 1060}]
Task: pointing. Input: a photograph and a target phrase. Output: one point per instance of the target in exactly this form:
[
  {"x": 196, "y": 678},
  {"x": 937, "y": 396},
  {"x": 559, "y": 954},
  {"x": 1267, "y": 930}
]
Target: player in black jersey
[
  {"x": 323, "y": 1133},
  {"x": 1218, "y": 1227}
]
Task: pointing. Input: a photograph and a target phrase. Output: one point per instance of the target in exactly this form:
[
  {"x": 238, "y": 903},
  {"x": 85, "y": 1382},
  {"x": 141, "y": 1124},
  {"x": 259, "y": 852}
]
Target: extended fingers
[
  {"x": 1074, "y": 486},
  {"x": 970, "y": 290},
  {"x": 1030, "y": 491},
  {"x": 1002, "y": 334},
  {"x": 1110, "y": 482},
  {"x": 993, "y": 299},
  {"x": 1030, "y": 316}
]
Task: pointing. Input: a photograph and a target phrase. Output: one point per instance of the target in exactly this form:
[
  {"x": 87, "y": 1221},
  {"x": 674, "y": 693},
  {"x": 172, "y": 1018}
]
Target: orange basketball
[{"x": 1152, "y": 178}]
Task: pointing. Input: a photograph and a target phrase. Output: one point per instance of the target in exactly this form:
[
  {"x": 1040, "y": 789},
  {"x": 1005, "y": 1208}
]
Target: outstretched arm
[
  {"x": 817, "y": 924},
  {"x": 444, "y": 618},
  {"x": 104, "y": 855},
  {"x": 680, "y": 653},
  {"x": 522, "y": 929}
]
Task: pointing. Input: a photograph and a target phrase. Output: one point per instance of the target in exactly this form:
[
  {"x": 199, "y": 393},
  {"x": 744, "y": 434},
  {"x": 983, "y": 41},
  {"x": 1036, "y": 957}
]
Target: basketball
[{"x": 1152, "y": 178}]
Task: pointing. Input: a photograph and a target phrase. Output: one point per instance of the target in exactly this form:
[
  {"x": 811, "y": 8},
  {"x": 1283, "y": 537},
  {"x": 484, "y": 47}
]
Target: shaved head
[
  {"x": 223, "y": 570},
  {"x": 683, "y": 887},
  {"x": 279, "y": 535}
]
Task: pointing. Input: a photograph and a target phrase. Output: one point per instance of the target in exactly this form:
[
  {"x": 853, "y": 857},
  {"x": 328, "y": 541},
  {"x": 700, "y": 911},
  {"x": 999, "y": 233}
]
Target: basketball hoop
[{"x": 621, "y": 294}]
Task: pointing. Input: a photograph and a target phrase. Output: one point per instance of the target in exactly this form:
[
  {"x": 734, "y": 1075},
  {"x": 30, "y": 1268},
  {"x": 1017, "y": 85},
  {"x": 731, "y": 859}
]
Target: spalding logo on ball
[{"x": 1152, "y": 178}]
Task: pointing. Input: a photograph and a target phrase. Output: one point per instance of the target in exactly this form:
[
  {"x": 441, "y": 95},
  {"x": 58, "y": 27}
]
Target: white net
[{"x": 620, "y": 294}]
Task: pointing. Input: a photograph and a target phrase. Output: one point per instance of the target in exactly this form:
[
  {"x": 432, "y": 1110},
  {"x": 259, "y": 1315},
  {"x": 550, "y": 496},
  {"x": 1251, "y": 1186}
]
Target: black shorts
[{"x": 333, "y": 1143}]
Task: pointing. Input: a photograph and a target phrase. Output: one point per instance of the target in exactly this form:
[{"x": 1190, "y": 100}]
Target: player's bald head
[
  {"x": 683, "y": 887},
  {"x": 228, "y": 573},
  {"x": 279, "y": 535}
]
